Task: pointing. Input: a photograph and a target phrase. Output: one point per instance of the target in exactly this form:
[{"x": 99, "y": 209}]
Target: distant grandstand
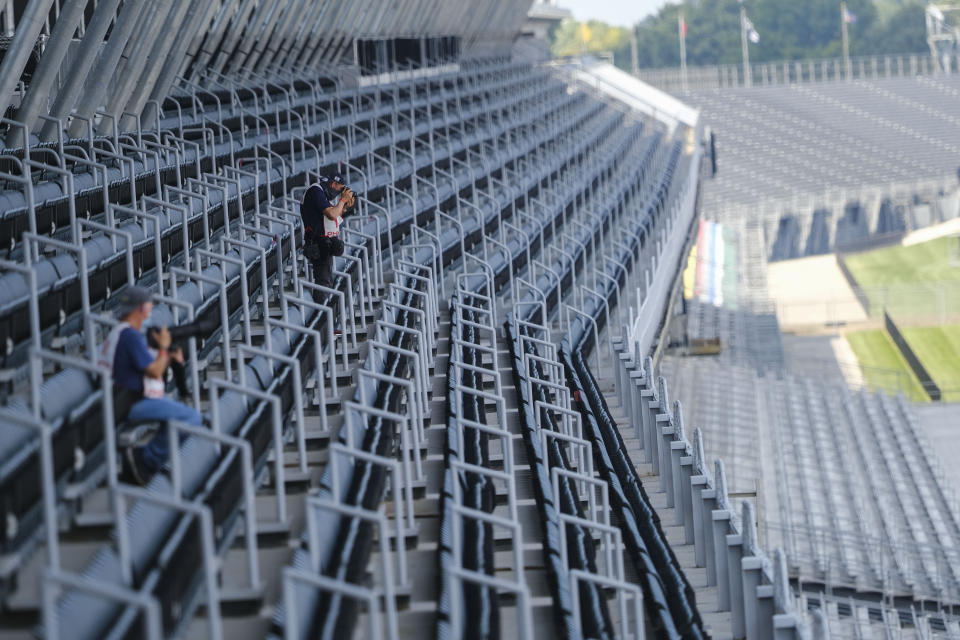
[
  {"x": 488, "y": 426},
  {"x": 844, "y": 479},
  {"x": 833, "y": 165},
  {"x": 822, "y": 274}
]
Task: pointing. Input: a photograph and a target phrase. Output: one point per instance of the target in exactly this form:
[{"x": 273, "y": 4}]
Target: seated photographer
[
  {"x": 321, "y": 222},
  {"x": 138, "y": 376}
]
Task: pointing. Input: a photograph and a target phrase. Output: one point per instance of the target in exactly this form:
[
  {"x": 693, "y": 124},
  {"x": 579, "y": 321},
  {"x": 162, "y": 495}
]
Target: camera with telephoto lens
[{"x": 183, "y": 332}]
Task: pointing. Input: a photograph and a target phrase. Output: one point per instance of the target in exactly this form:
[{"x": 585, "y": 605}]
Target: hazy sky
[{"x": 619, "y": 12}]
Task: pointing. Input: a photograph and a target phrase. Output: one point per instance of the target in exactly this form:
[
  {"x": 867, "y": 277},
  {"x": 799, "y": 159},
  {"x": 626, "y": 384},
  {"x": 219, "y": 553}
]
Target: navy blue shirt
[
  {"x": 315, "y": 201},
  {"x": 131, "y": 359}
]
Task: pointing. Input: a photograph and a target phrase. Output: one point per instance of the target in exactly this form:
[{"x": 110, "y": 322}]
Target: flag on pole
[
  {"x": 682, "y": 26},
  {"x": 752, "y": 33},
  {"x": 848, "y": 16}
]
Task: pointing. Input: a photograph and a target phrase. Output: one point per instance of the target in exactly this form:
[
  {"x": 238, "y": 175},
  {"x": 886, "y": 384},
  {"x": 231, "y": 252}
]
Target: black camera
[
  {"x": 356, "y": 196},
  {"x": 183, "y": 332}
]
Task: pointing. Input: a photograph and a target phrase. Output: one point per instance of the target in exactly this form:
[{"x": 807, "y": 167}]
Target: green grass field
[
  {"x": 917, "y": 282},
  {"x": 883, "y": 366},
  {"x": 902, "y": 279},
  {"x": 939, "y": 350},
  {"x": 926, "y": 262}
]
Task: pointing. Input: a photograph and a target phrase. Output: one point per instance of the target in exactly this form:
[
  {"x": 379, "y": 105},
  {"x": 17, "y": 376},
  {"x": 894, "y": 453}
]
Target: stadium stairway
[
  {"x": 302, "y": 575},
  {"x": 717, "y": 622}
]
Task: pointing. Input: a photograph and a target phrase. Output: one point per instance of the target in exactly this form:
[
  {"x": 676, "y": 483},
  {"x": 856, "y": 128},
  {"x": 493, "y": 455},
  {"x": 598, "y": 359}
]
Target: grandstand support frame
[{"x": 943, "y": 35}]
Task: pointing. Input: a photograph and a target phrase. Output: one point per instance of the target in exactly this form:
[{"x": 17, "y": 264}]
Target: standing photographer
[
  {"x": 321, "y": 222},
  {"x": 138, "y": 379}
]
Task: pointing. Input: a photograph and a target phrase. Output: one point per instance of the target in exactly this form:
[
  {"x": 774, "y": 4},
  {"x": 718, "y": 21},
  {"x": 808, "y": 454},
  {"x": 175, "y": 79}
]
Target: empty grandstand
[
  {"x": 475, "y": 431},
  {"x": 844, "y": 479},
  {"x": 835, "y": 165}
]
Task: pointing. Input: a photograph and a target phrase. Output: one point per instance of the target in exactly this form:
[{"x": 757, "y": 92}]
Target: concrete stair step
[
  {"x": 94, "y": 511},
  {"x": 26, "y": 598},
  {"x": 248, "y": 627},
  {"x": 541, "y": 610}
]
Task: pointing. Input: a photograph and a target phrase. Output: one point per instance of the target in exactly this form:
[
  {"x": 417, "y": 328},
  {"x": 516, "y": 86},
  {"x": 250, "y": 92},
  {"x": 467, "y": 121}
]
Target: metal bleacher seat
[{"x": 847, "y": 485}]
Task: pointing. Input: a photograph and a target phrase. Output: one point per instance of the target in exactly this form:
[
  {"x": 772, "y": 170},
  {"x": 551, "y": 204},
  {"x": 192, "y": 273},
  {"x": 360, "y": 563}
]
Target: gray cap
[{"x": 131, "y": 298}]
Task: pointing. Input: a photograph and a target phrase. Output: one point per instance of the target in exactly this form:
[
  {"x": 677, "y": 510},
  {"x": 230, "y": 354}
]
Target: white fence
[{"x": 789, "y": 72}]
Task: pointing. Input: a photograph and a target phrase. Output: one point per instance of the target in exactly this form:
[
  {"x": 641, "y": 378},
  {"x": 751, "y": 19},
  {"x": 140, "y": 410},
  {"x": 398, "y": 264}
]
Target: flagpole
[
  {"x": 681, "y": 24},
  {"x": 634, "y": 57},
  {"x": 846, "y": 40},
  {"x": 745, "y": 49}
]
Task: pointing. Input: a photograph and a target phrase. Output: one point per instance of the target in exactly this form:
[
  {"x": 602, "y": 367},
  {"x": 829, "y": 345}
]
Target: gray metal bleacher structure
[
  {"x": 421, "y": 449},
  {"x": 842, "y": 479},
  {"x": 836, "y": 164}
]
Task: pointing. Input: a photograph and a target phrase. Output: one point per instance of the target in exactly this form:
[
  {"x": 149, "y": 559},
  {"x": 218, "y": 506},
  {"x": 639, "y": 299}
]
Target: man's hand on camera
[
  {"x": 162, "y": 336},
  {"x": 177, "y": 355}
]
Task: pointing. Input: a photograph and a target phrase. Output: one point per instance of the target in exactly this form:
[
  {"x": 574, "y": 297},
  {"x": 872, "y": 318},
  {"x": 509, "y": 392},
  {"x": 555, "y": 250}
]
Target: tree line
[{"x": 789, "y": 30}]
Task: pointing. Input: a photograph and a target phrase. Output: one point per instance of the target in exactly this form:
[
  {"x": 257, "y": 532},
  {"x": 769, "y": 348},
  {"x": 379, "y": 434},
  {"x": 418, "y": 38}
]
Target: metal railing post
[
  {"x": 218, "y": 384},
  {"x": 294, "y": 364},
  {"x": 249, "y": 488},
  {"x": 82, "y": 274},
  {"x": 55, "y": 580},
  {"x": 224, "y": 310},
  {"x": 205, "y": 532}
]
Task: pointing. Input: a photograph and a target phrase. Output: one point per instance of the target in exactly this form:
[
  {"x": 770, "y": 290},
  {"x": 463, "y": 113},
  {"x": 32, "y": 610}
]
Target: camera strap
[{"x": 108, "y": 350}]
